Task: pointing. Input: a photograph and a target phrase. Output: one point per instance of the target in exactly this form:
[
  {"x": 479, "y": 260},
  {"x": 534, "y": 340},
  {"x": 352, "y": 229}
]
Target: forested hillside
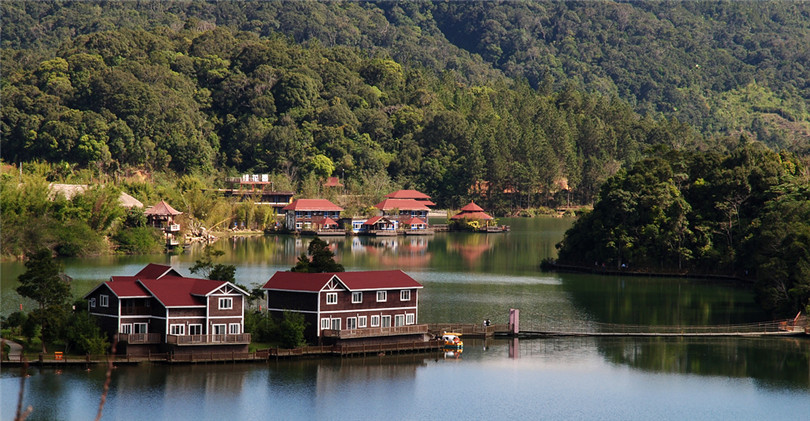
[{"x": 517, "y": 99}]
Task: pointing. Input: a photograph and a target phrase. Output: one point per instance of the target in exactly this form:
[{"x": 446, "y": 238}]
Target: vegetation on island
[{"x": 745, "y": 214}]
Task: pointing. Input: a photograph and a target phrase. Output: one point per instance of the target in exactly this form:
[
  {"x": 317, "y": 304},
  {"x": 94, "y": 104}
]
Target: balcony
[
  {"x": 139, "y": 338},
  {"x": 375, "y": 332},
  {"x": 191, "y": 340}
]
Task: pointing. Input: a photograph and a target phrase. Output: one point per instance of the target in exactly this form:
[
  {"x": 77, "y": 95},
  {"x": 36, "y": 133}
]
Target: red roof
[
  {"x": 373, "y": 220},
  {"x": 329, "y": 221},
  {"x": 175, "y": 291},
  {"x": 333, "y": 182},
  {"x": 401, "y": 204},
  {"x": 472, "y": 207},
  {"x": 127, "y": 287},
  {"x": 312, "y": 205},
  {"x": 472, "y": 215},
  {"x": 414, "y": 221},
  {"x": 354, "y": 281},
  {"x": 407, "y": 194},
  {"x": 162, "y": 208},
  {"x": 155, "y": 271}
]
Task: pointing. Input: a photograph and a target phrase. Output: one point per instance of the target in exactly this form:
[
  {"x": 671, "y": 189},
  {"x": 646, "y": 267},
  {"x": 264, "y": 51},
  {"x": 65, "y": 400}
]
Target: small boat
[{"x": 452, "y": 340}]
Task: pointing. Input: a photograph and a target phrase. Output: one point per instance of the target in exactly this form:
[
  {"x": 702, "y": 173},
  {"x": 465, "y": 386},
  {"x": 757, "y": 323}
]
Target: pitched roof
[
  {"x": 414, "y": 220},
  {"x": 127, "y": 288},
  {"x": 312, "y": 205},
  {"x": 374, "y": 219},
  {"x": 162, "y": 208},
  {"x": 333, "y": 182},
  {"x": 155, "y": 271},
  {"x": 401, "y": 204},
  {"x": 70, "y": 190},
  {"x": 354, "y": 281},
  {"x": 472, "y": 207},
  {"x": 472, "y": 215},
  {"x": 176, "y": 291},
  {"x": 407, "y": 194}
]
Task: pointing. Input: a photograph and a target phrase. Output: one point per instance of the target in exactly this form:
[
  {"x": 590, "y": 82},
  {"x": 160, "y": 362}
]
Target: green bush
[{"x": 138, "y": 240}]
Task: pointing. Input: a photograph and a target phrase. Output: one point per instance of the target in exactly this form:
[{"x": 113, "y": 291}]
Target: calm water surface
[{"x": 467, "y": 278}]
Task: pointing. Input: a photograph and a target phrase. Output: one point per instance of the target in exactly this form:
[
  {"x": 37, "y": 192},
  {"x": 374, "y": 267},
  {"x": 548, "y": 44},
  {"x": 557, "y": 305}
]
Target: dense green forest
[
  {"x": 745, "y": 214},
  {"x": 527, "y": 98}
]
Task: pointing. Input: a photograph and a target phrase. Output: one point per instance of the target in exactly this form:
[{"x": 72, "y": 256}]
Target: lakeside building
[
  {"x": 259, "y": 190},
  {"x": 366, "y": 305},
  {"x": 162, "y": 216},
  {"x": 401, "y": 210},
  {"x": 315, "y": 216},
  {"x": 159, "y": 310},
  {"x": 411, "y": 194}
]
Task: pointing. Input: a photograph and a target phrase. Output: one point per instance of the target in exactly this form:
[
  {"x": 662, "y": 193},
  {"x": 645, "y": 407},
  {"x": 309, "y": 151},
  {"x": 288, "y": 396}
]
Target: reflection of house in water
[
  {"x": 403, "y": 368},
  {"x": 472, "y": 247}
]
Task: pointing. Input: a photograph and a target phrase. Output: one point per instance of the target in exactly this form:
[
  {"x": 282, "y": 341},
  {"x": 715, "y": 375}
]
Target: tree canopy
[{"x": 322, "y": 260}]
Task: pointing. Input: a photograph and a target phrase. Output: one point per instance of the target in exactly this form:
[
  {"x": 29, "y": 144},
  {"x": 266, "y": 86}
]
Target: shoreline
[{"x": 557, "y": 267}]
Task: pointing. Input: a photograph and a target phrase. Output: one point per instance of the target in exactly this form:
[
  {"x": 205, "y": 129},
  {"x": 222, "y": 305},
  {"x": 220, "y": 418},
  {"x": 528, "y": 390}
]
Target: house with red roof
[
  {"x": 366, "y": 305},
  {"x": 402, "y": 210},
  {"x": 317, "y": 216},
  {"x": 159, "y": 310},
  {"x": 474, "y": 216},
  {"x": 411, "y": 194}
]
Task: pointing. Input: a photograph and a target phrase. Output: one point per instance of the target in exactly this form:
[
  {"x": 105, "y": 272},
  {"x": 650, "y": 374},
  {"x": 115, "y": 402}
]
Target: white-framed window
[
  {"x": 382, "y": 296},
  {"x": 93, "y": 304},
  {"x": 226, "y": 303},
  {"x": 195, "y": 329},
  {"x": 361, "y": 321},
  {"x": 219, "y": 329},
  {"x": 141, "y": 327},
  {"x": 177, "y": 329},
  {"x": 325, "y": 323},
  {"x": 410, "y": 318},
  {"x": 386, "y": 321},
  {"x": 357, "y": 297},
  {"x": 399, "y": 320},
  {"x": 351, "y": 323},
  {"x": 331, "y": 298},
  {"x": 104, "y": 300},
  {"x": 126, "y": 328},
  {"x": 234, "y": 329},
  {"x": 405, "y": 295},
  {"x": 375, "y": 321},
  {"x": 336, "y": 324}
]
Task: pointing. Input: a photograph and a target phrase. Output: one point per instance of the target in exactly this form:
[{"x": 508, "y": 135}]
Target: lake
[{"x": 467, "y": 278}]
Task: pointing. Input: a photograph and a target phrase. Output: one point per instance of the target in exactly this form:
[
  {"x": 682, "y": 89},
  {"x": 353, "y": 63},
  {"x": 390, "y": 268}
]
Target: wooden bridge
[{"x": 786, "y": 327}]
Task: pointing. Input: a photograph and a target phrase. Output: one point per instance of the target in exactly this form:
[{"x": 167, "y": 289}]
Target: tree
[
  {"x": 44, "y": 282},
  {"x": 220, "y": 272},
  {"x": 323, "y": 260}
]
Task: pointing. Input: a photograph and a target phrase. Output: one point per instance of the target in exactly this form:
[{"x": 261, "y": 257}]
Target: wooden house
[
  {"x": 313, "y": 215},
  {"x": 159, "y": 310},
  {"x": 349, "y": 305},
  {"x": 259, "y": 190},
  {"x": 379, "y": 225}
]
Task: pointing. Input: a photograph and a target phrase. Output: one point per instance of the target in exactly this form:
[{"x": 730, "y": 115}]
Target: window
[
  {"x": 386, "y": 321},
  {"x": 405, "y": 295},
  {"x": 361, "y": 321},
  {"x": 104, "y": 300},
  {"x": 126, "y": 329},
  {"x": 325, "y": 323},
  {"x": 382, "y": 296},
  {"x": 226, "y": 303},
  {"x": 351, "y": 323},
  {"x": 93, "y": 304},
  {"x": 375, "y": 321},
  {"x": 234, "y": 329},
  {"x": 195, "y": 329},
  {"x": 177, "y": 329},
  {"x": 331, "y": 298},
  {"x": 399, "y": 320},
  {"x": 336, "y": 324},
  {"x": 410, "y": 318},
  {"x": 141, "y": 328},
  {"x": 219, "y": 329},
  {"x": 357, "y": 297}
]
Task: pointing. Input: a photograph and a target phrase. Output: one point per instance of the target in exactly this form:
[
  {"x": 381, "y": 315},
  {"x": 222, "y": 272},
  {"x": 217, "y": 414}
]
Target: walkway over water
[{"x": 785, "y": 327}]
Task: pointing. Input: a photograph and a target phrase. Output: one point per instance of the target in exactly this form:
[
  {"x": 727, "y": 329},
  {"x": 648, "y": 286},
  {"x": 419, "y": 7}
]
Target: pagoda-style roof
[
  {"x": 415, "y": 221},
  {"x": 473, "y": 212},
  {"x": 162, "y": 209},
  {"x": 333, "y": 182}
]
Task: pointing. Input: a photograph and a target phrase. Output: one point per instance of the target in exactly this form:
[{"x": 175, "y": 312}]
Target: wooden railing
[
  {"x": 140, "y": 338},
  {"x": 375, "y": 331},
  {"x": 235, "y": 339}
]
